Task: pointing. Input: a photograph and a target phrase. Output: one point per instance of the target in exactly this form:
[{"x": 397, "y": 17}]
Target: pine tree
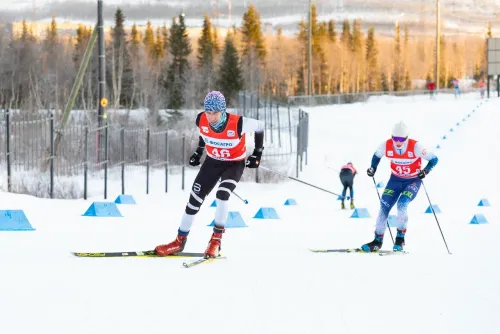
[
  {"x": 373, "y": 69},
  {"x": 164, "y": 32},
  {"x": 397, "y": 76},
  {"x": 384, "y": 82},
  {"x": 135, "y": 48},
  {"x": 206, "y": 54},
  {"x": 82, "y": 39},
  {"x": 159, "y": 53},
  {"x": 230, "y": 77},
  {"x": 332, "y": 35},
  {"x": 253, "y": 48},
  {"x": 319, "y": 76},
  {"x": 356, "y": 38},
  {"x": 180, "y": 49},
  {"x": 215, "y": 41},
  {"x": 444, "y": 79},
  {"x": 346, "y": 37},
  {"x": 120, "y": 62},
  {"x": 149, "y": 40}
]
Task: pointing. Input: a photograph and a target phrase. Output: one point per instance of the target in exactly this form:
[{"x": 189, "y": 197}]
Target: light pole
[
  {"x": 309, "y": 57},
  {"x": 438, "y": 22}
]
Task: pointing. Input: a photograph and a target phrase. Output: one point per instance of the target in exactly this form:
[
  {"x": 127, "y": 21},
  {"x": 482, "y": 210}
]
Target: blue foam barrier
[
  {"x": 381, "y": 184},
  {"x": 484, "y": 202},
  {"x": 435, "y": 207},
  {"x": 234, "y": 220},
  {"x": 266, "y": 213},
  {"x": 214, "y": 204},
  {"x": 125, "y": 199},
  {"x": 103, "y": 209},
  {"x": 360, "y": 213},
  {"x": 458, "y": 124},
  {"x": 290, "y": 201},
  {"x": 393, "y": 221},
  {"x": 451, "y": 130},
  {"x": 444, "y": 137},
  {"x": 479, "y": 218},
  {"x": 14, "y": 220},
  {"x": 438, "y": 146}
]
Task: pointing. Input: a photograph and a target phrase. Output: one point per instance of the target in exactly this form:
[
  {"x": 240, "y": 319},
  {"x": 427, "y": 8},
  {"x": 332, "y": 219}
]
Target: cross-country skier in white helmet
[{"x": 406, "y": 157}]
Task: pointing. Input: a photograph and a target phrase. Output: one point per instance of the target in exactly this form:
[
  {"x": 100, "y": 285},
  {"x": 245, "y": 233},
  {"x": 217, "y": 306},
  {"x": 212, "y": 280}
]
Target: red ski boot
[
  {"x": 174, "y": 247},
  {"x": 213, "y": 248}
]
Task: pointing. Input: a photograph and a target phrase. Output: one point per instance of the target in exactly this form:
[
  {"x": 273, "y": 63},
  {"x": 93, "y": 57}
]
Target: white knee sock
[
  {"x": 186, "y": 222},
  {"x": 221, "y": 212}
]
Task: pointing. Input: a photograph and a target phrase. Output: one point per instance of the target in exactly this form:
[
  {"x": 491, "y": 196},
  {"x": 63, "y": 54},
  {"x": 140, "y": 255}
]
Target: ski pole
[
  {"x": 437, "y": 221},
  {"x": 380, "y": 199},
  {"x": 244, "y": 200},
  {"x": 295, "y": 179},
  {"x": 335, "y": 170}
]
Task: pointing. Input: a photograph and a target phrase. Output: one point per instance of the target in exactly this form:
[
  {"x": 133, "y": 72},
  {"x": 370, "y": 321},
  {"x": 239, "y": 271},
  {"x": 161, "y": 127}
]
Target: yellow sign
[{"x": 104, "y": 102}]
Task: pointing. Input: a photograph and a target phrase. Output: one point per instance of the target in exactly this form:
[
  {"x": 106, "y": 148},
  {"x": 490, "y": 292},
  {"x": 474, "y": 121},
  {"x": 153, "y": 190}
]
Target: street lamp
[
  {"x": 309, "y": 57},
  {"x": 436, "y": 70}
]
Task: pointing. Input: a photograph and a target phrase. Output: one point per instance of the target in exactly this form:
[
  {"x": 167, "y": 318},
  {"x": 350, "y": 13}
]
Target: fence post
[
  {"x": 306, "y": 135},
  {"x": 105, "y": 159},
  {"x": 166, "y": 161},
  {"x": 244, "y": 103},
  {"x": 279, "y": 124},
  {"x": 298, "y": 151},
  {"x": 122, "y": 158},
  {"x": 265, "y": 118},
  {"x": 183, "y": 168},
  {"x": 51, "y": 156},
  {"x": 148, "y": 139},
  {"x": 251, "y": 104},
  {"x": 85, "y": 162},
  {"x": 9, "y": 175},
  {"x": 290, "y": 128},
  {"x": 271, "y": 115},
  {"x": 301, "y": 113},
  {"x": 258, "y": 103}
]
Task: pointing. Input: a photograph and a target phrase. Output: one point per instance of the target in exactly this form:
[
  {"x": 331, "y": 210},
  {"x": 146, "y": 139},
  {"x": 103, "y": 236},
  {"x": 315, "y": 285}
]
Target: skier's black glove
[
  {"x": 422, "y": 174},
  {"x": 253, "y": 161},
  {"x": 371, "y": 171},
  {"x": 194, "y": 160}
]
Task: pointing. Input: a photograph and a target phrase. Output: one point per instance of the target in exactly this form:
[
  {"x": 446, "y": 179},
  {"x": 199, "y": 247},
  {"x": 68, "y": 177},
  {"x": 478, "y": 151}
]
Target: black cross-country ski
[
  {"x": 350, "y": 250},
  {"x": 201, "y": 261},
  {"x": 147, "y": 253}
]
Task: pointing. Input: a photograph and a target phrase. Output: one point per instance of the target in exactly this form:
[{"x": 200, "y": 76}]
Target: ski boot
[
  {"x": 375, "y": 245},
  {"x": 175, "y": 246},
  {"x": 342, "y": 205},
  {"x": 352, "y": 204},
  {"x": 400, "y": 241},
  {"x": 214, "y": 245}
]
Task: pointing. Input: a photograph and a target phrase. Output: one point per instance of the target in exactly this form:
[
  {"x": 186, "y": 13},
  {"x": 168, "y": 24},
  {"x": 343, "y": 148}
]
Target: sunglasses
[{"x": 399, "y": 139}]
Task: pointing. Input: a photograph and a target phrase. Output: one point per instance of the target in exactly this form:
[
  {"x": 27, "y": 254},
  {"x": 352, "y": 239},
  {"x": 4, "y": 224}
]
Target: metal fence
[
  {"x": 330, "y": 99},
  {"x": 39, "y": 157}
]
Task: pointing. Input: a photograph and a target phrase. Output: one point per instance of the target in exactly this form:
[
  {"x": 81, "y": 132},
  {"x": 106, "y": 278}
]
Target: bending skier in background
[
  {"x": 223, "y": 136},
  {"x": 346, "y": 175},
  {"x": 406, "y": 160}
]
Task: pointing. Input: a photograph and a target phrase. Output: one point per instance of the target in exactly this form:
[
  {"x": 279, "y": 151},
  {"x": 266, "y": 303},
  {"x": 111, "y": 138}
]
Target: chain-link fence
[
  {"x": 285, "y": 135},
  {"x": 39, "y": 156}
]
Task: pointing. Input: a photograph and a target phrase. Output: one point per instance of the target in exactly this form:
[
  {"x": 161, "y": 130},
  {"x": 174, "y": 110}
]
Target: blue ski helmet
[{"x": 215, "y": 102}]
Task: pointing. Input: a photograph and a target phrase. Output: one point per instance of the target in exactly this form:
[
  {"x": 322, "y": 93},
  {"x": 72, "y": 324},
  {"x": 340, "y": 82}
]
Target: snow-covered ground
[{"x": 271, "y": 282}]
